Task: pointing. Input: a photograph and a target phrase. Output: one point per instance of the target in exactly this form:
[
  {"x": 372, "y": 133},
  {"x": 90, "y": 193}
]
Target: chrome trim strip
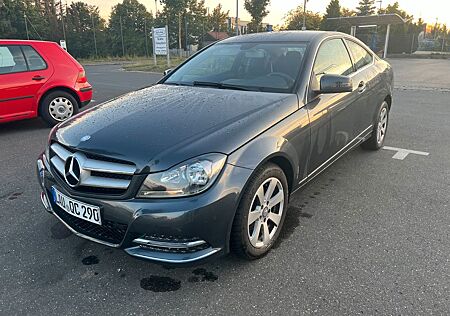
[
  {"x": 164, "y": 244},
  {"x": 108, "y": 167},
  {"x": 58, "y": 163},
  {"x": 100, "y": 182},
  {"x": 60, "y": 151},
  {"x": 152, "y": 255},
  {"x": 342, "y": 151},
  {"x": 48, "y": 207}
]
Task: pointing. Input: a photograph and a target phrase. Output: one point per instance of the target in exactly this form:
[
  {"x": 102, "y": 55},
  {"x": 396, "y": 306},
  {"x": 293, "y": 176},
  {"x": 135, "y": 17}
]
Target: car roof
[
  {"x": 283, "y": 36},
  {"x": 17, "y": 41}
]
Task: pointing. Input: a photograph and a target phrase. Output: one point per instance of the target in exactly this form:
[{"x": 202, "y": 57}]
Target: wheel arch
[
  {"x": 270, "y": 149},
  {"x": 58, "y": 88},
  {"x": 388, "y": 99}
]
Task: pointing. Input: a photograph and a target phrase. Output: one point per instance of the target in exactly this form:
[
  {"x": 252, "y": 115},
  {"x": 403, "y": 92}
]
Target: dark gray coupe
[{"x": 205, "y": 160}]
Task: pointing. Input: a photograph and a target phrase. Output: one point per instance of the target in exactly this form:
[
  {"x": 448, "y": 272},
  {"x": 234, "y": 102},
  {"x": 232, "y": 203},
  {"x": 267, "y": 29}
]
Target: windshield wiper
[{"x": 220, "y": 85}]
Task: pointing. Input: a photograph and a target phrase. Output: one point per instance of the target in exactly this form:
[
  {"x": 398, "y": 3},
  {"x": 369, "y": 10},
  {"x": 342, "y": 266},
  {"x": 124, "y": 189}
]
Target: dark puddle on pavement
[
  {"x": 201, "y": 274},
  {"x": 59, "y": 231},
  {"x": 90, "y": 260},
  {"x": 156, "y": 283},
  {"x": 160, "y": 284},
  {"x": 292, "y": 220},
  {"x": 12, "y": 196}
]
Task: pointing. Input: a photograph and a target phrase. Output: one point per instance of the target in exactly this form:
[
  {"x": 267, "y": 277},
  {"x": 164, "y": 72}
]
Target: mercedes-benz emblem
[{"x": 72, "y": 171}]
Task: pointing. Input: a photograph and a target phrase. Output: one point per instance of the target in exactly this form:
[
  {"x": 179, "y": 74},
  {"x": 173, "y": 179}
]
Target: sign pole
[
  {"x": 167, "y": 46},
  {"x": 154, "y": 46}
]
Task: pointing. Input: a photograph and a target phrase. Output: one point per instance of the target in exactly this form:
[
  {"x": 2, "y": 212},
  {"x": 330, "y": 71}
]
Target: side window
[
  {"x": 333, "y": 59},
  {"x": 360, "y": 55},
  {"x": 12, "y": 60},
  {"x": 35, "y": 62}
]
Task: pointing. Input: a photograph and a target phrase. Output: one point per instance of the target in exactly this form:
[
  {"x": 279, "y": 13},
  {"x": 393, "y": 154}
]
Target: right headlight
[{"x": 188, "y": 178}]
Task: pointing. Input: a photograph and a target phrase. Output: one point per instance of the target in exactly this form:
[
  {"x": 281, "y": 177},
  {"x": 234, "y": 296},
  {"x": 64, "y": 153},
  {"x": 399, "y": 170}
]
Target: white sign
[
  {"x": 160, "y": 41},
  {"x": 63, "y": 44}
]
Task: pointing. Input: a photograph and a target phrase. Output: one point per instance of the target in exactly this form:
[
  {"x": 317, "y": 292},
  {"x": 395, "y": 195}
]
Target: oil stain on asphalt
[
  {"x": 90, "y": 260},
  {"x": 160, "y": 284},
  {"x": 200, "y": 274},
  {"x": 14, "y": 195}
]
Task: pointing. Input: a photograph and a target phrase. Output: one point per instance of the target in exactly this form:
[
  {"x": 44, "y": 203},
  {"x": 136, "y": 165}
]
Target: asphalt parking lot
[{"x": 370, "y": 235}]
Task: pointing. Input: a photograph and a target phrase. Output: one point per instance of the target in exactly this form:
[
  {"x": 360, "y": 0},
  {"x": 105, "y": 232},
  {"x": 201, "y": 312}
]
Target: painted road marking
[{"x": 401, "y": 153}]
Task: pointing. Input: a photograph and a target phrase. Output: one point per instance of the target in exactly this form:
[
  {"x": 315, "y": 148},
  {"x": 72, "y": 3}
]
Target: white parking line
[{"x": 401, "y": 153}]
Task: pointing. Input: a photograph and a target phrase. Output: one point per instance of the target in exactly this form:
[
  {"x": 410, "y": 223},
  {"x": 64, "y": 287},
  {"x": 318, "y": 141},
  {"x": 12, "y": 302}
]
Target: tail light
[{"x": 82, "y": 76}]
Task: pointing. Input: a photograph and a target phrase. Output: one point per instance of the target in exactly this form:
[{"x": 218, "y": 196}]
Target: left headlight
[{"x": 190, "y": 177}]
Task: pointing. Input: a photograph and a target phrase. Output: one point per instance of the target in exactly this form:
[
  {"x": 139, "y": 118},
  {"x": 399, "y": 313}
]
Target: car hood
[{"x": 161, "y": 126}]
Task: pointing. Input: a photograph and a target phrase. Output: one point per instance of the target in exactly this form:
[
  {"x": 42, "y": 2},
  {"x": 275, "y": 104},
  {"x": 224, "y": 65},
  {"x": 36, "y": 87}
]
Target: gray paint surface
[{"x": 381, "y": 248}]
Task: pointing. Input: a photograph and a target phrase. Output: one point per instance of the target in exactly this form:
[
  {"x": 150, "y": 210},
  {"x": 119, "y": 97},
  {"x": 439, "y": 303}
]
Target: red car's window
[
  {"x": 12, "y": 60},
  {"x": 35, "y": 61}
]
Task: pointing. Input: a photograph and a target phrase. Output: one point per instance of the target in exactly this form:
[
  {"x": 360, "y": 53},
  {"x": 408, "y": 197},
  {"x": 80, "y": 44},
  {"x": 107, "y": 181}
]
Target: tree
[
  {"x": 81, "y": 22},
  {"x": 197, "y": 21},
  {"x": 218, "y": 19},
  {"x": 173, "y": 15},
  {"x": 294, "y": 20},
  {"x": 348, "y": 12},
  {"x": 366, "y": 7},
  {"x": 258, "y": 11},
  {"x": 131, "y": 19},
  {"x": 333, "y": 11}
]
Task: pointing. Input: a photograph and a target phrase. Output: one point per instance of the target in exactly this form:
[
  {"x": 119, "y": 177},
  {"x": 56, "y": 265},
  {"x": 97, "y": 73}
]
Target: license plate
[{"x": 76, "y": 208}]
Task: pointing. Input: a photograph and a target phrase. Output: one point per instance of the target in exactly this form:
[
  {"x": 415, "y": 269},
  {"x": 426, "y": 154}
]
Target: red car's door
[{"x": 22, "y": 74}]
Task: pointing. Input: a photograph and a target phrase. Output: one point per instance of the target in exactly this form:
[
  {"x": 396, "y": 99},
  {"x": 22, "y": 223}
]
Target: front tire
[
  {"x": 57, "y": 107},
  {"x": 261, "y": 213},
  {"x": 376, "y": 141}
]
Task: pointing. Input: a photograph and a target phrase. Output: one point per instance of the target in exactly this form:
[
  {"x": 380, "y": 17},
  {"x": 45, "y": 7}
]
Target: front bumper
[{"x": 172, "y": 231}]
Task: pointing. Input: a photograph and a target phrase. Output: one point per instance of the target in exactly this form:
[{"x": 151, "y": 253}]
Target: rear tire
[
  {"x": 376, "y": 141},
  {"x": 57, "y": 107},
  {"x": 261, "y": 213}
]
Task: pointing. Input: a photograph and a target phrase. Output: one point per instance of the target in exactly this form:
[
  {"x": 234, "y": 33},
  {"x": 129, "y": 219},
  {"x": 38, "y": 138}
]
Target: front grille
[
  {"x": 97, "y": 175},
  {"x": 109, "y": 231}
]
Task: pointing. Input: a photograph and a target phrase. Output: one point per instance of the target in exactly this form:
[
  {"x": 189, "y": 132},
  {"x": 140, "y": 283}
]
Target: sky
[{"x": 427, "y": 10}]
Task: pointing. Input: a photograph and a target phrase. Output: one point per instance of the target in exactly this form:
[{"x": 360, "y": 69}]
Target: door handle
[
  {"x": 362, "y": 87},
  {"x": 38, "y": 78}
]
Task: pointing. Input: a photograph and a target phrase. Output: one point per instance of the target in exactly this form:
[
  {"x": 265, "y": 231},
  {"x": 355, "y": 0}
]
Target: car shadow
[{"x": 24, "y": 125}]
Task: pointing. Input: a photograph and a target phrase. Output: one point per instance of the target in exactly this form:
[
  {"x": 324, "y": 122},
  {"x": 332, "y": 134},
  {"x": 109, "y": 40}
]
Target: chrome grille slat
[
  {"x": 108, "y": 167},
  {"x": 60, "y": 151},
  {"x": 98, "y": 182},
  {"x": 58, "y": 163},
  {"x": 88, "y": 165}
]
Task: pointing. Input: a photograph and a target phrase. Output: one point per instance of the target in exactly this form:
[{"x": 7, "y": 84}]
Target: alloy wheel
[
  {"x": 265, "y": 212},
  {"x": 61, "y": 109},
  {"x": 382, "y": 125}
]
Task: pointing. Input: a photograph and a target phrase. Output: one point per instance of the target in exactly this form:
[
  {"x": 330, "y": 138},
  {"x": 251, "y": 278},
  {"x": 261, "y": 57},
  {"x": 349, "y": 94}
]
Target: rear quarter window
[
  {"x": 361, "y": 56},
  {"x": 34, "y": 60}
]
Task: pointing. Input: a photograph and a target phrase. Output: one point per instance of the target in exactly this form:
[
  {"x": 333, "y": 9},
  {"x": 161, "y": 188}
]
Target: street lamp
[
  {"x": 304, "y": 15},
  {"x": 237, "y": 17}
]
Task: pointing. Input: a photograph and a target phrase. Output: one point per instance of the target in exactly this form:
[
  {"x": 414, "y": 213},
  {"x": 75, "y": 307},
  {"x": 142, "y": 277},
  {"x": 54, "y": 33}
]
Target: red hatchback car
[{"x": 40, "y": 79}]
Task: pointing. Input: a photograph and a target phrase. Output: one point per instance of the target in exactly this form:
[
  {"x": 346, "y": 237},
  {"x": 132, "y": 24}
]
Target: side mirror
[
  {"x": 335, "y": 84},
  {"x": 167, "y": 71}
]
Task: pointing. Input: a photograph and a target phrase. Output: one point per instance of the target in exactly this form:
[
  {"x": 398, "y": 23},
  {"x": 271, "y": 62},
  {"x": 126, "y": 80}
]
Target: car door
[
  {"x": 331, "y": 116},
  {"x": 363, "y": 80},
  {"x": 23, "y": 72}
]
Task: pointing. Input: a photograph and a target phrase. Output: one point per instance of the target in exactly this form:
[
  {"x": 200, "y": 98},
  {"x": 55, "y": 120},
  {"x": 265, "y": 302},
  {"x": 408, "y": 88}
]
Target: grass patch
[{"x": 149, "y": 64}]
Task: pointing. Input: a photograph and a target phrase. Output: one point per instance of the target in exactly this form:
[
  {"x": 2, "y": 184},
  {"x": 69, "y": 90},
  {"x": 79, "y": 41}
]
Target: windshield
[{"x": 268, "y": 67}]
